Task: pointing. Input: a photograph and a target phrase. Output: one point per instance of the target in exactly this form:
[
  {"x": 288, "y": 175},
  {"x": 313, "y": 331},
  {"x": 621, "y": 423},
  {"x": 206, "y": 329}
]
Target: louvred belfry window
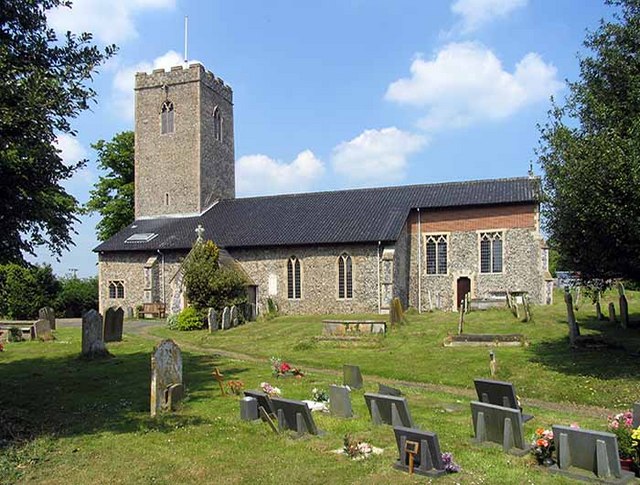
[{"x": 166, "y": 118}]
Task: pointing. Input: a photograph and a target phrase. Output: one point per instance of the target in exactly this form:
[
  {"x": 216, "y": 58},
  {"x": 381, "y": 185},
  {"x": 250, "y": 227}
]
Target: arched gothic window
[
  {"x": 116, "y": 289},
  {"x": 293, "y": 278},
  {"x": 166, "y": 117},
  {"x": 345, "y": 276},
  {"x": 217, "y": 124}
]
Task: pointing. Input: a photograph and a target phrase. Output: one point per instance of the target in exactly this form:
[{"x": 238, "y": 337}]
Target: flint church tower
[{"x": 184, "y": 149}]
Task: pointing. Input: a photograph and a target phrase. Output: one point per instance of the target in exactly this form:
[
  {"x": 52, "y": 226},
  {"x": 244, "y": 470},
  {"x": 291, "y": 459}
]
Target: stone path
[{"x": 142, "y": 328}]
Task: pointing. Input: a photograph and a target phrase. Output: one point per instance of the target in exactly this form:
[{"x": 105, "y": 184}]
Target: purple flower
[{"x": 449, "y": 465}]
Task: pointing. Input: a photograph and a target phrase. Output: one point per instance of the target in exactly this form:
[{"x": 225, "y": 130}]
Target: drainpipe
[
  {"x": 419, "y": 262},
  {"x": 379, "y": 289},
  {"x": 163, "y": 288}
]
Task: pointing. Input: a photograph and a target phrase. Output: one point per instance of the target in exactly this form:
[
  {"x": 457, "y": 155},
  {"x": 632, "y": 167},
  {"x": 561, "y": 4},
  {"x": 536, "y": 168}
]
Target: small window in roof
[{"x": 141, "y": 237}]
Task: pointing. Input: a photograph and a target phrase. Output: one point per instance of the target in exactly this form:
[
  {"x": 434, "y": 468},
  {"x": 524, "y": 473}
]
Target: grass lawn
[{"x": 87, "y": 422}]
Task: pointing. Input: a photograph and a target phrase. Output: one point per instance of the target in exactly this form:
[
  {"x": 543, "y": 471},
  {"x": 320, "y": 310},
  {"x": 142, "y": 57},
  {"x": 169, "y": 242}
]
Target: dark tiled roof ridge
[{"x": 365, "y": 189}]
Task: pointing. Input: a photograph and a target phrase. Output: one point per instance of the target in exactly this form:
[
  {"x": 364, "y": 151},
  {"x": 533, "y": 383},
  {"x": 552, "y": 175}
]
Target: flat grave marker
[
  {"x": 499, "y": 393},
  {"x": 499, "y": 424},
  {"x": 385, "y": 409}
]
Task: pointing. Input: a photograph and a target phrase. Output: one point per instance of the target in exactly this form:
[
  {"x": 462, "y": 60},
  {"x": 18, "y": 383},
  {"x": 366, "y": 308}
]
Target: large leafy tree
[
  {"x": 113, "y": 194},
  {"x": 43, "y": 85},
  {"x": 590, "y": 153}
]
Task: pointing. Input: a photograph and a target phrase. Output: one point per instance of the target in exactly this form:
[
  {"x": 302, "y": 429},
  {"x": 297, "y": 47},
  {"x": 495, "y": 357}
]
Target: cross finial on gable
[{"x": 199, "y": 232}]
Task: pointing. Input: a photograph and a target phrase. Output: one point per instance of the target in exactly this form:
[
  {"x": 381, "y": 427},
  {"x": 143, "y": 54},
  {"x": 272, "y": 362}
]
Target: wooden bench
[{"x": 154, "y": 309}]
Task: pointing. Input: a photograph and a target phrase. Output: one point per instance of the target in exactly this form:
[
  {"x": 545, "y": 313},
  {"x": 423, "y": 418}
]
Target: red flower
[{"x": 284, "y": 367}]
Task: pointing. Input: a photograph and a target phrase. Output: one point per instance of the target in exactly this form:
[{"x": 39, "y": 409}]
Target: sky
[{"x": 337, "y": 94}]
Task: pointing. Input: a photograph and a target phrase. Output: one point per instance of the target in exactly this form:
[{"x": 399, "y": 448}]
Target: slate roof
[{"x": 344, "y": 216}]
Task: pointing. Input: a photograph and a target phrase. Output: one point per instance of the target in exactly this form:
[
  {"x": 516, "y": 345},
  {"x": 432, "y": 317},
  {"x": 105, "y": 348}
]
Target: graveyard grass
[{"x": 88, "y": 421}]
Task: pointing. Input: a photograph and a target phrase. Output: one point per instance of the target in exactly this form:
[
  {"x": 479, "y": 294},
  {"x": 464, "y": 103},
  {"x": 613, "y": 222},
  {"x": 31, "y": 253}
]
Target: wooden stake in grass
[
  {"x": 493, "y": 363},
  {"x": 220, "y": 378},
  {"x": 460, "y": 320}
]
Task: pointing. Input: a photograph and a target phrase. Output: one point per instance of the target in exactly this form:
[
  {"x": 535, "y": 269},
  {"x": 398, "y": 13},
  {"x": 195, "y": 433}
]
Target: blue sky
[{"x": 345, "y": 93}]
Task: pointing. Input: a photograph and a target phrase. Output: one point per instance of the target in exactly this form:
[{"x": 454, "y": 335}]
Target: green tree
[
  {"x": 113, "y": 194},
  {"x": 76, "y": 296},
  {"x": 207, "y": 285},
  {"x": 590, "y": 153},
  {"x": 24, "y": 290},
  {"x": 43, "y": 85}
]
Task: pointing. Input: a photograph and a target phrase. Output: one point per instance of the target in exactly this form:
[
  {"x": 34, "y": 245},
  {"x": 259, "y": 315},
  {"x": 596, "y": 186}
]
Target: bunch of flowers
[
  {"x": 269, "y": 390},
  {"x": 1, "y": 347},
  {"x": 450, "y": 466},
  {"x": 235, "y": 387},
  {"x": 543, "y": 445},
  {"x": 284, "y": 369},
  {"x": 355, "y": 449},
  {"x": 319, "y": 395},
  {"x": 622, "y": 426}
]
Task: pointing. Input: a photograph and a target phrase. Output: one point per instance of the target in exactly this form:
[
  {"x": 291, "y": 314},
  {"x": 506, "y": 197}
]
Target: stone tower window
[
  {"x": 345, "y": 276},
  {"x": 217, "y": 124},
  {"x": 166, "y": 117},
  {"x": 293, "y": 278},
  {"x": 491, "y": 252}
]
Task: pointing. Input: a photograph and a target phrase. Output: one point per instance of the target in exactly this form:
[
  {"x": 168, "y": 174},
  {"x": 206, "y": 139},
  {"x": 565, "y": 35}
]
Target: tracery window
[
  {"x": 345, "y": 276},
  {"x": 293, "y": 278},
  {"x": 436, "y": 252},
  {"x": 166, "y": 117},
  {"x": 491, "y": 252},
  {"x": 116, "y": 289}
]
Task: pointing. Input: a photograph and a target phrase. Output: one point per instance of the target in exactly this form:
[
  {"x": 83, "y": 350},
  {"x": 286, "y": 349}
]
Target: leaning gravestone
[
  {"x": 294, "y": 415},
  {"x": 92, "y": 335},
  {"x": 588, "y": 455},
  {"x": 612, "y": 313},
  {"x": 47, "y": 313},
  {"x": 385, "y": 409},
  {"x": 388, "y": 390},
  {"x": 234, "y": 316},
  {"x": 166, "y": 372},
  {"x": 425, "y": 448},
  {"x": 42, "y": 330},
  {"x": 498, "y": 424},
  {"x": 352, "y": 376},
  {"x": 113, "y": 322},
  {"x": 340, "y": 402},
  {"x": 212, "y": 320},
  {"x": 226, "y": 320}
]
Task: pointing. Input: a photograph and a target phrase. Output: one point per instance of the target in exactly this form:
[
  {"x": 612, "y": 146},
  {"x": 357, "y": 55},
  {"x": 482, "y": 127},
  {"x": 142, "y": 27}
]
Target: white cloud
[
  {"x": 476, "y": 13},
  {"x": 109, "y": 21},
  {"x": 71, "y": 152},
  {"x": 376, "y": 156},
  {"x": 124, "y": 80},
  {"x": 260, "y": 175},
  {"x": 466, "y": 83}
]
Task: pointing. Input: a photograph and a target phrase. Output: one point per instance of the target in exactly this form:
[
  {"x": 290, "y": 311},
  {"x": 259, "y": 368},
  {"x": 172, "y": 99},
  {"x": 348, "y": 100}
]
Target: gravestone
[
  {"x": 385, "y": 409},
  {"x": 234, "y": 316},
  {"x": 113, "y": 322},
  {"x": 264, "y": 401},
  {"x": 248, "y": 409},
  {"x": 129, "y": 312},
  {"x": 624, "y": 307},
  {"x": 42, "y": 330},
  {"x": 212, "y": 320},
  {"x": 340, "y": 401},
  {"x": 612, "y": 313},
  {"x": 388, "y": 390},
  {"x": 226, "y": 320},
  {"x": 294, "y": 415},
  {"x": 173, "y": 395},
  {"x": 351, "y": 376},
  {"x": 574, "y": 330},
  {"x": 499, "y": 424},
  {"x": 499, "y": 393},
  {"x": 166, "y": 371},
  {"x": 92, "y": 335},
  {"x": 47, "y": 313},
  {"x": 636, "y": 415},
  {"x": 588, "y": 456},
  {"x": 426, "y": 459}
]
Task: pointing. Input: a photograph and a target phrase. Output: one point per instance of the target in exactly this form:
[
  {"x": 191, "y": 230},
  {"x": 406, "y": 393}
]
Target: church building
[{"x": 346, "y": 251}]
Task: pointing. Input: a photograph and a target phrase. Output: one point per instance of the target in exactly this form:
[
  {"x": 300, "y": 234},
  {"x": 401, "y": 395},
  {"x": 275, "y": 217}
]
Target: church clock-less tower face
[{"x": 184, "y": 149}]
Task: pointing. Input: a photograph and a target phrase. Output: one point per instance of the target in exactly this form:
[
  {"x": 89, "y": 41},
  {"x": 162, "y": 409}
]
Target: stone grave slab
[
  {"x": 226, "y": 318},
  {"x": 499, "y": 393},
  {"x": 385, "y": 409},
  {"x": 166, "y": 370},
  {"x": 113, "y": 324},
  {"x": 427, "y": 458},
  {"x": 234, "y": 316},
  {"x": 388, "y": 390},
  {"x": 92, "y": 335},
  {"x": 499, "y": 424},
  {"x": 294, "y": 415},
  {"x": 340, "y": 401},
  {"x": 212, "y": 320},
  {"x": 42, "y": 330},
  {"x": 588, "y": 455},
  {"x": 351, "y": 376},
  {"x": 47, "y": 313}
]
